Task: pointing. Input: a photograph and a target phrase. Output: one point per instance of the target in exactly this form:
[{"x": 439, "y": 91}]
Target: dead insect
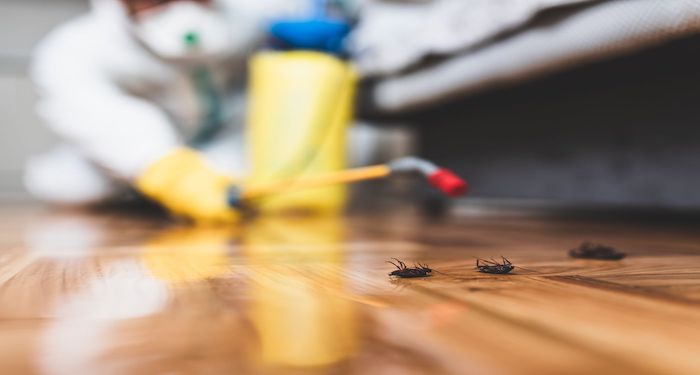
[
  {"x": 418, "y": 270},
  {"x": 589, "y": 250},
  {"x": 492, "y": 266}
]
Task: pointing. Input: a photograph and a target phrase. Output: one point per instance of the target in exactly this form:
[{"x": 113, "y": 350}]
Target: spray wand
[{"x": 441, "y": 178}]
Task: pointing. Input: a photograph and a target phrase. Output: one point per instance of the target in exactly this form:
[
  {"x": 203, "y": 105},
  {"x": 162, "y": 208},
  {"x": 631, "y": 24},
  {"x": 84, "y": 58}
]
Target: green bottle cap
[{"x": 191, "y": 39}]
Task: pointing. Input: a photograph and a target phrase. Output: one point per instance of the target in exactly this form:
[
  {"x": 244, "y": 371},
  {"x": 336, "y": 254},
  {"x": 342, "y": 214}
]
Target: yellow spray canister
[{"x": 301, "y": 102}]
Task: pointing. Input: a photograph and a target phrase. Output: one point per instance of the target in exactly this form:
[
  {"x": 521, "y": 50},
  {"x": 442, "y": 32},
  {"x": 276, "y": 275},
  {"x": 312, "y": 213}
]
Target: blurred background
[
  {"x": 23, "y": 23},
  {"x": 549, "y": 108}
]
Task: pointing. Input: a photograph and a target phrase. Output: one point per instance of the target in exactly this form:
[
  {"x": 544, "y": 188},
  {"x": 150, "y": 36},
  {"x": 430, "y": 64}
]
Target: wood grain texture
[{"x": 115, "y": 292}]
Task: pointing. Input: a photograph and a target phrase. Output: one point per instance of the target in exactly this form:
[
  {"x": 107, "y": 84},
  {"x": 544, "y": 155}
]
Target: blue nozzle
[
  {"x": 317, "y": 32},
  {"x": 319, "y": 35}
]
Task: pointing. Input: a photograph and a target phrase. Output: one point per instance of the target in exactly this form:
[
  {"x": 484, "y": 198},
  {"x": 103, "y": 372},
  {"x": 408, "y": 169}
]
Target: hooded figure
[{"x": 146, "y": 94}]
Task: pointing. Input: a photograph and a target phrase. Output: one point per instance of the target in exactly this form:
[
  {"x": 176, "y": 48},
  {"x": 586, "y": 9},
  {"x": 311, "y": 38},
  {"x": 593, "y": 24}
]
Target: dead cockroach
[
  {"x": 492, "y": 266},
  {"x": 418, "y": 270},
  {"x": 589, "y": 250}
]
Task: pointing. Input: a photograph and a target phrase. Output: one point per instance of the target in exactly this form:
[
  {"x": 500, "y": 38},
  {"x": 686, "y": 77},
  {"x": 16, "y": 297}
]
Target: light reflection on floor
[{"x": 269, "y": 296}]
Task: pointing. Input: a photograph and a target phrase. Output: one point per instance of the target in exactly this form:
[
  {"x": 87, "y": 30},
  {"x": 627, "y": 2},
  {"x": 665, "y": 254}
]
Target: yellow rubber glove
[{"x": 184, "y": 184}]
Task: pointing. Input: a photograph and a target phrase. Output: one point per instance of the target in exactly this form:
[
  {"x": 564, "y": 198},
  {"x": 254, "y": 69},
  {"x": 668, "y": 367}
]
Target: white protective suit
[{"x": 120, "y": 105}]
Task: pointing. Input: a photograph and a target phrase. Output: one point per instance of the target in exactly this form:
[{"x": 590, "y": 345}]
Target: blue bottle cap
[
  {"x": 318, "y": 31},
  {"x": 313, "y": 34}
]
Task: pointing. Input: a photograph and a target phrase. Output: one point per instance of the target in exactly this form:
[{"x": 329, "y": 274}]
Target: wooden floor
[{"x": 116, "y": 293}]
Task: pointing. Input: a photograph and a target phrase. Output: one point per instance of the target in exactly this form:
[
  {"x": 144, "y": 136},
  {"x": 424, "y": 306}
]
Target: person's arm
[
  {"x": 121, "y": 133},
  {"x": 130, "y": 137}
]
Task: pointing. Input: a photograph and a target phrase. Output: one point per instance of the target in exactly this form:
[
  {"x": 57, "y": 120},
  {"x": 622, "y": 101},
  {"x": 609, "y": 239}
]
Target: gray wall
[{"x": 22, "y": 24}]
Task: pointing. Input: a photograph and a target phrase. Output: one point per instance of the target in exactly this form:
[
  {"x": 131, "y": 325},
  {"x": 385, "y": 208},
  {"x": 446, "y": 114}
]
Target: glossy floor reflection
[{"x": 115, "y": 293}]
